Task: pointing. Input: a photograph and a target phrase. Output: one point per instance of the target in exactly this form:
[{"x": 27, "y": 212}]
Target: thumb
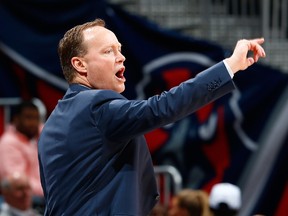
[{"x": 250, "y": 61}]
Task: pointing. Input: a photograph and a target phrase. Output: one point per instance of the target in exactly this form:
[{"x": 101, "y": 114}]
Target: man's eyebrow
[{"x": 113, "y": 45}]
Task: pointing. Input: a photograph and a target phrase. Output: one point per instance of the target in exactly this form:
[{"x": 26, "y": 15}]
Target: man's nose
[{"x": 120, "y": 57}]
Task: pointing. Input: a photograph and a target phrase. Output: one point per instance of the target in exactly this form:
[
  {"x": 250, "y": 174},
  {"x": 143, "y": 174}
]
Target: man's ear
[{"x": 79, "y": 65}]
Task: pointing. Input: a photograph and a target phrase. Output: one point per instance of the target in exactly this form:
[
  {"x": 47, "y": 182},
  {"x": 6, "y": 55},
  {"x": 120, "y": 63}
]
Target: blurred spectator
[
  {"x": 17, "y": 196},
  {"x": 18, "y": 145},
  {"x": 225, "y": 199},
  {"x": 190, "y": 202},
  {"x": 159, "y": 210}
]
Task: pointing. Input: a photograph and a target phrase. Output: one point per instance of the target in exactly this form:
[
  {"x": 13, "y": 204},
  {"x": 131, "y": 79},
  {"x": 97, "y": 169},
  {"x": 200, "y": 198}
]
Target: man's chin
[
  {"x": 121, "y": 89},
  {"x": 33, "y": 134}
]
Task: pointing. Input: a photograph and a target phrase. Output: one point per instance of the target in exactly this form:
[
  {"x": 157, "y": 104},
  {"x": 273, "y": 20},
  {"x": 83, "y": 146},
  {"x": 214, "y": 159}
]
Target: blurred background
[
  {"x": 222, "y": 21},
  {"x": 241, "y": 138}
]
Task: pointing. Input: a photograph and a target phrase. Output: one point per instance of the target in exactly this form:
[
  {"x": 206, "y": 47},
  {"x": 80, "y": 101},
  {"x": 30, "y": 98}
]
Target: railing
[
  {"x": 274, "y": 17},
  {"x": 223, "y": 21},
  {"x": 169, "y": 182},
  {"x": 273, "y": 13}
]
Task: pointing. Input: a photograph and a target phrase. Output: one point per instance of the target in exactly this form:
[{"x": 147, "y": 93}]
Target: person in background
[
  {"x": 225, "y": 199},
  {"x": 18, "y": 145},
  {"x": 94, "y": 159},
  {"x": 159, "y": 210},
  {"x": 17, "y": 196},
  {"x": 190, "y": 202}
]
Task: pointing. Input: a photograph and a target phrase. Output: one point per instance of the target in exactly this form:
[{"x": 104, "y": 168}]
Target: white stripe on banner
[
  {"x": 33, "y": 68},
  {"x": 262, "y": 162},
  {"x": 239, "y": 118}
]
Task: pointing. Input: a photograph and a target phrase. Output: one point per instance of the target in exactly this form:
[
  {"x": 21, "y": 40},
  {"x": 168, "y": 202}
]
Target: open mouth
[{"x": 120, "y": 74}]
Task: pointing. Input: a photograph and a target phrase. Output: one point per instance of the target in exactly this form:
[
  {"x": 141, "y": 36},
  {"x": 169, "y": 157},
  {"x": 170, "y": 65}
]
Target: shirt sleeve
[{"x": 228, "y": 69}]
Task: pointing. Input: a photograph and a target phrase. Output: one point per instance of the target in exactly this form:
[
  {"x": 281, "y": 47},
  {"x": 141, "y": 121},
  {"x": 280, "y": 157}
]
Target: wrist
[
  {"x": 231, "y": 73},
  {"x": 231, "y": 65}
]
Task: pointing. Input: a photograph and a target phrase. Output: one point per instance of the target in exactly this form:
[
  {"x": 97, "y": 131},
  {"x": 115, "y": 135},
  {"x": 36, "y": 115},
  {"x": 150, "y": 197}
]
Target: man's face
[
  {"x": 28, "y": 121},
  {"x": 103, "y": 61}
]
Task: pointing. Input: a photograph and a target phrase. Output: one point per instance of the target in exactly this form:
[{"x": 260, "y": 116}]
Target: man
[
  {"x": 18, "y": 145},
  {"x": 93, "y": 156},
  {"x": 17, "y": 196}
]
